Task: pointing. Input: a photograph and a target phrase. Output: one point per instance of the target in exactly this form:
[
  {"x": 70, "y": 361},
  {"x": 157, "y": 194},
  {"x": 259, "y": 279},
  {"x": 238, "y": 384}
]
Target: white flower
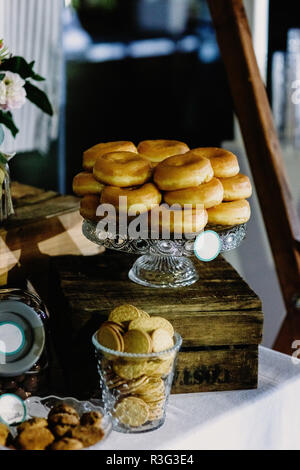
[{"x": 12, "y": 91}]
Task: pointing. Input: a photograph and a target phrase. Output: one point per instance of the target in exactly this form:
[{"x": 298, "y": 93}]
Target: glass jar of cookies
[
  {"x": 23, "y": 338},
  {"x": 136, "y": 387}
]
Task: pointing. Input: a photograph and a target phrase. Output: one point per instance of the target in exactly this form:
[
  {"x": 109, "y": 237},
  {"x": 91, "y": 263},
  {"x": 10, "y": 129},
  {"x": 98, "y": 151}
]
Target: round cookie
[
  {"x": 38, "y": 438},
  {"x": 159, "y": 368},
  {"x": 88, "y": 435},
  {"x": 124, "y": 313},
  {"x": 130, "y": 370},
  {"x": 67, "y": 443},
  {"x": 64, "y": 419},
  {"x": 115, "y": 382},
  {"x": 33, "y": 423},
  {"x": 110, "y": 338},
  {"x": 151, "y": 324},
  {"x": 63, "y": 408},
  {"x": 93, "y": 418},
  {"x": 133, "y": 386},
  {"x": 137, "y": 342},
  {"x": 132, "y": 411},
  {"x": 115, "y": 326},
  {"x": 61, "y": 418},
  {"x": 161, "y": 340}
]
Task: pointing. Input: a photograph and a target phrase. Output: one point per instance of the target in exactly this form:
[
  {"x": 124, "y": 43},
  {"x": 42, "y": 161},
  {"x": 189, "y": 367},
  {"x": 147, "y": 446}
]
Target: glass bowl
[
  {"x": 136, "y": 387},
  {"x": 40, "y": 407}
]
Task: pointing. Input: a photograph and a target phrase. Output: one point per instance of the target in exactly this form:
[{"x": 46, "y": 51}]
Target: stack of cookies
[
  {"x": 64, "y": 429},
  {"x": 137, "y": 378},
  {"x": 132, "y": 330}
]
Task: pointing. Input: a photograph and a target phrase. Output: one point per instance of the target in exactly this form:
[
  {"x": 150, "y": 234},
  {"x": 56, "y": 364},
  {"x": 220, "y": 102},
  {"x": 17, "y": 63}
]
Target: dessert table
[
  {"x": 265, "y": 418},
  {"x": 48, "y": 225}
]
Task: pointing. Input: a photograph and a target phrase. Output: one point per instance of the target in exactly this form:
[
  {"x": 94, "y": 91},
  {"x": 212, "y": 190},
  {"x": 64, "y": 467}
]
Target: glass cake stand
[{"x": 163, "y": 263}]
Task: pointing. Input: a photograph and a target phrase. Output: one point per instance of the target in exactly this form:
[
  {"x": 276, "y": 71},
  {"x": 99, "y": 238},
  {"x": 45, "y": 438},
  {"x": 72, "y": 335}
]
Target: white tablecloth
[{"x": 265, "y": 418}]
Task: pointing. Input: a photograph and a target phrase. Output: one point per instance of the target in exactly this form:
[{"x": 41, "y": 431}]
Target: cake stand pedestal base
[{"x": 163, "y": 271}]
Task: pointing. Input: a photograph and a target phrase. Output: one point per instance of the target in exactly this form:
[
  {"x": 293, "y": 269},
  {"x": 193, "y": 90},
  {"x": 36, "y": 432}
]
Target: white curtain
[{"x": 33, "y": 29}]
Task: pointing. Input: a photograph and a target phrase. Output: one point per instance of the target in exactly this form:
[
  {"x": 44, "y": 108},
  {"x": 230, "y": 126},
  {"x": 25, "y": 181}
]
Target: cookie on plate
[
  {"x": 63, "y": 408},
  {"x": 92, "y": 418},
  {"x": 88, "y": 435},
  {"x": 61, "y": 418},
  {"x": 38, "y": 438},
  {"x": 33, "y": 423},
  {"x": 67, "y": 443},
  {"x": 4, "y": 433}
]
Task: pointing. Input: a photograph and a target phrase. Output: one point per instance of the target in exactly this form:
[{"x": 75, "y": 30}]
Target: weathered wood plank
[
  {"x": 44, "y": 207},
  {"x": 216, "y": 370},
  {"x": 219, "y": 287}
]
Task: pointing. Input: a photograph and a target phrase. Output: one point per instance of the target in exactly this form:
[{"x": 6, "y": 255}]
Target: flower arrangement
[{"x": 16, "y": 76}]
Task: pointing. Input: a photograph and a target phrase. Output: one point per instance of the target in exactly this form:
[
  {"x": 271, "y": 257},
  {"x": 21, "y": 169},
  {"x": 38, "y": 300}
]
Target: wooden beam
[{"x": 264, "y": 154}]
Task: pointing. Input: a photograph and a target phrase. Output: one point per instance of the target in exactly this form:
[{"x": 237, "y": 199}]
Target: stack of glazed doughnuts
[
  {"x": 223, "y": 194},
  {"x": 165, "y": 171}
]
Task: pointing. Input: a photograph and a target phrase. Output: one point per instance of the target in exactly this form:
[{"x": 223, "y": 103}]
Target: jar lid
[
  {"x": 12, "y": 409},
  {"x": 22, "y": 338}
]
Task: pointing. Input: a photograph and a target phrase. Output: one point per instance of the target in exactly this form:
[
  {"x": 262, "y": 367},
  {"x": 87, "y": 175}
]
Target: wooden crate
[{"x": 219, "y": 318}]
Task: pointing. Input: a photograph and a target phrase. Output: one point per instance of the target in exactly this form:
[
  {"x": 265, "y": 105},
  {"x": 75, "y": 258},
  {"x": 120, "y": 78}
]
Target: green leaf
[
  {"x": 1, "y": 135},
  {"x": 2, "y": 75},
  {"x": 39, "y": 98},
  {"x": 7, "y": 120},
  {"x": 3, "y": 160},
  {"x": 19, "y": 65}
]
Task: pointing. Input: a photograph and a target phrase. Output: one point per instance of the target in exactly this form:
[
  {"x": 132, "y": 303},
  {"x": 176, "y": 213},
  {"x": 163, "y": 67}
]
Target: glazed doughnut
[
  {"x": 229, "y": 213},
  {"x": 179, "y": 221},
  {"x": 90, "y": 155},
  {"x": 225, "y": 164},
  {"x": 85, "y": 183},
  {"x": 140, "y": 199},
  {"x": 236, "y": 187},
  {"x": 209, "y": 194},
  {"x": 158, "y": 150},
  {"x": 122, "y": 169},
  {"x": 182, "y": 171},
  {"x": 88, "y": 206}
]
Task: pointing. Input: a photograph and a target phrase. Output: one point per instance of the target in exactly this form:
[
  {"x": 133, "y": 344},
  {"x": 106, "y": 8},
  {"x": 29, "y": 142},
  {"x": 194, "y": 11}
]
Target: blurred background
[
  {"x": 137, "y": 69},
  {"x": 123, "y": 70}
]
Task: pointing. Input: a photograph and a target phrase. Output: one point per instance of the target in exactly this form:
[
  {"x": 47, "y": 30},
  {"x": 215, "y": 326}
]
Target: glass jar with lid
[{"x": 23, "y": 343}]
